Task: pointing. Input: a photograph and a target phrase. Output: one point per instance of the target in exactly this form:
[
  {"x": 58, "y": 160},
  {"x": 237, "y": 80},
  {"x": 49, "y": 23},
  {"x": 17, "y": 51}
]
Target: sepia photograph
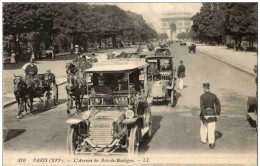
[{"x": 127, "y": 83}]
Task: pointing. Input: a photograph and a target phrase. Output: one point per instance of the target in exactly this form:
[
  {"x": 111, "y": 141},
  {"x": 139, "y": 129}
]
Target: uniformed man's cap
[{"x": 205, "y": 85}]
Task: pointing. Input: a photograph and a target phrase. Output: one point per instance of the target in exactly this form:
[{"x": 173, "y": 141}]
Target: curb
[
  {"x": 232, "y": 65},
  {"x": 14, "y": 100}
]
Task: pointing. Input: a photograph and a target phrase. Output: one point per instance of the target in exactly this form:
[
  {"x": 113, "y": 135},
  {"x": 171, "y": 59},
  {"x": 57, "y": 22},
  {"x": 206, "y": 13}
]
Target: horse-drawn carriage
[
  {"x": 192, "y": 48},
  {"x": 43, "y": 86},
  {"x": 161, "y": 74},
  {"x": 118, "y": 115}
]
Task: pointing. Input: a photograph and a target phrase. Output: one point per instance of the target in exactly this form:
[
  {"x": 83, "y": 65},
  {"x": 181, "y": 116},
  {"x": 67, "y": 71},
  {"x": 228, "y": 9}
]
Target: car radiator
[
  {"x": 100, "y": 132},
  {"x": 165, "y": 76}
]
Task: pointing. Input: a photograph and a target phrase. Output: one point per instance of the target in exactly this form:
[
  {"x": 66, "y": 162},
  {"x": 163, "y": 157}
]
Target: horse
[
  {"x": 22, "y": 93},
  {"x": 75, "y": 90}
]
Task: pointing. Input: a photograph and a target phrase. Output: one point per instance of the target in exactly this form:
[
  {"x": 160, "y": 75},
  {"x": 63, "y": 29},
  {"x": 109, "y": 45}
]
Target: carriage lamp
[{"x": 129, "y": 114}]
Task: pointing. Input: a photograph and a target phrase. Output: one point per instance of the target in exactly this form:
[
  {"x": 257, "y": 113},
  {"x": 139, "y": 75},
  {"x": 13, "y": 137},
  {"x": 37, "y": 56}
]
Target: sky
[{"x": 152, "y": 12}]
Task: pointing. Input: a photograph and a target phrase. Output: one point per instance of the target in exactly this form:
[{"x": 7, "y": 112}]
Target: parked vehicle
[
  {"x": 162, "y": 79},
  {"x": 252, "y": 105},
  {"x": 192, "y": 48},
  {"x": 182, "y": 43},
  {"x": 118, "y": 115}
]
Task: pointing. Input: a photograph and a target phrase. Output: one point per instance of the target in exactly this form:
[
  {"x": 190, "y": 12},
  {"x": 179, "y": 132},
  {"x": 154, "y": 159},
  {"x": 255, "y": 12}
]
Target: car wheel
[
  {"x": 133, "y": 141},
  {"x": 72, "y": 140}
]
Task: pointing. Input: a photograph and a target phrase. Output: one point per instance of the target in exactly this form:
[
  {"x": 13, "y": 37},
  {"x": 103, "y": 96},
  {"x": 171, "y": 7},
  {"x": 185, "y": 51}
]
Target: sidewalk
[
  {"x": 57, "y": 67},
  {"x": 241, "y": 60}
]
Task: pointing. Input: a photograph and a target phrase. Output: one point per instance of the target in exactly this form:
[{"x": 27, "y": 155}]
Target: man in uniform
[
  {"x": 210, "y": 108},
  {"x": 101, "y": 88},
  {"x": 31, "y": 70},
  {"x": 181, "y": 74}
]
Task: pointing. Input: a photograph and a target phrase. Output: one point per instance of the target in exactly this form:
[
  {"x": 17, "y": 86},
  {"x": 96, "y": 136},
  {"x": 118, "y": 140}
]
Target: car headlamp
[{"x": 129, "y": 114}]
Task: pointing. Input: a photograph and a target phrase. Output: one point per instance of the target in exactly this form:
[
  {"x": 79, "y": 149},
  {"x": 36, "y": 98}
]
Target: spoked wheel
[
  {"x": 133, "y": 142},
  {"x": 46, "y": 100},
  {"x": 72, "y": 143},
  {"x": 55, "y": 94},
  {"x": 149, "y": 123},
  {"x": 173, "y": 98},
  {"x": 74, "y": 137}
]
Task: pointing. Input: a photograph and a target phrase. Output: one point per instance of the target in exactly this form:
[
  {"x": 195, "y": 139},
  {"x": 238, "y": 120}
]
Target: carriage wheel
[
  {"x": 46, "y": 100},
  {"x": 173, "y": 98},
  {"x": 133, "y": 141},
  {"x": 55, "y": 94}
]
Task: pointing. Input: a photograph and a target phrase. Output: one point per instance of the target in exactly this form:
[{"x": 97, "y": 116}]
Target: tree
[
  {"x": 209, "y": 24},
  {"x": 182, "y": 35},
  {"x": 163, "y": 36},
  {"x": 24, "y": 18},
  {"x": 241, "y": 20}
]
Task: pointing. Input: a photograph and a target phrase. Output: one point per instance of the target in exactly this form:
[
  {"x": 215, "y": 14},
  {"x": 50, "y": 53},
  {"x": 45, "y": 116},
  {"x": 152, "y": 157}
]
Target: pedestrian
[
  {"x": 13, "y": 57},
  {"x": 210, "y": 108},
  {"x": 110, "y": 54},
  {"x": 181, "y": 74}
]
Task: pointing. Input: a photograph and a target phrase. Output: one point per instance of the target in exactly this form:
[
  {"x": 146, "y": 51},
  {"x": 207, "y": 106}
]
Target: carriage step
[{"x": 252, "y": 115}]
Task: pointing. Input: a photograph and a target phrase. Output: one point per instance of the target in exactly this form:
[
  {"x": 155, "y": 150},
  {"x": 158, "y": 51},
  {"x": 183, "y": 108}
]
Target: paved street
[{"x": 175, "y": 130}]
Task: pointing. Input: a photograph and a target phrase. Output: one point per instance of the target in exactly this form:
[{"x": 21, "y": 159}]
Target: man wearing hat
[
  {"x": 101, "y": 88},
  {"x": 210, "y": 108},
  {"x": 82, "y": 66},
  {"x": 77, "y": 60},
  {"x": 181, "y": 74},
  {"x": 31, "y": 70}
]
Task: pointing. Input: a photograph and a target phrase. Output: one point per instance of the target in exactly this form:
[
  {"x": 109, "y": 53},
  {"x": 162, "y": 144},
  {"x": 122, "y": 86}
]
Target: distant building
[{"x": 175, "y": 23}]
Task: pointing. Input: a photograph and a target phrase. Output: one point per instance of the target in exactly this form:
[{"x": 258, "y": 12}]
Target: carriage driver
[
  {"x": 101, "y": 88},
  {"x": 31, "y": 70}
]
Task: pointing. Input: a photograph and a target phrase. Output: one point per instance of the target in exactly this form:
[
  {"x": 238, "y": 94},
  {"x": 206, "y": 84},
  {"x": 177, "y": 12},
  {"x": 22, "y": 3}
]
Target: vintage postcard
[{"x": 129, "y": 83}]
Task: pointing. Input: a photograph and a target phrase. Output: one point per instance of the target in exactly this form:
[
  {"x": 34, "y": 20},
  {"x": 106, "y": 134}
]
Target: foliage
[
  {"x": 182, "y": 35},
  {"x": 60, "y": 23},
  {"x": 163, "y": 36},
  {"x": 218, "y": 20}
]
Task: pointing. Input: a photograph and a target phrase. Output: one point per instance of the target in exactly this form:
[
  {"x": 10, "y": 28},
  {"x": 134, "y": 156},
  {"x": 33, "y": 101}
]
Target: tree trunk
[{"x": 114, "y": 41}]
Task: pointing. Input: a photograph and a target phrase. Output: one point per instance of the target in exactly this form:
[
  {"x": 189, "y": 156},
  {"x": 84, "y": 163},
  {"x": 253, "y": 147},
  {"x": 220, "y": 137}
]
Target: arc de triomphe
[{"x": 175, "y": 23}]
